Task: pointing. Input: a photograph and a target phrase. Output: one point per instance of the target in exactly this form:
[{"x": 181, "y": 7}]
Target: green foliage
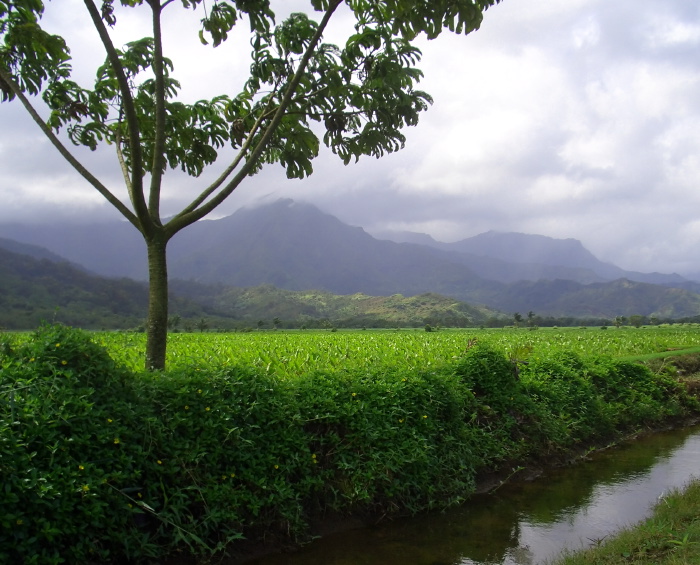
[
  {"x": 57, "y": 459},
  {"x": 489, "y": 374},
  {"x": 104, "y": 465},
  {"x": 559, "y": 382},
  {"x": 364, "y": 93},
  {"x": 592, "y": 397},
  {"x": 388, "y": 441}
]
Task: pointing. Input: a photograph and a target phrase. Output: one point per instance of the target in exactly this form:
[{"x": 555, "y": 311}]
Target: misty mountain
[
  {"x": 110, "y": 248},
  {"x": 510, "y": 257},
  {"x": 35, "y": 290},
  {"x": 295, "y": 246},
  {"x": 599, "y": 300}
]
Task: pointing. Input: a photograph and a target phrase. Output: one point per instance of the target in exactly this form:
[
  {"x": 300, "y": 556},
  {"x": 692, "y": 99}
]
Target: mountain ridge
[
  {"x": 35, "y": 290},
  {"x": 295, "y": 246}
]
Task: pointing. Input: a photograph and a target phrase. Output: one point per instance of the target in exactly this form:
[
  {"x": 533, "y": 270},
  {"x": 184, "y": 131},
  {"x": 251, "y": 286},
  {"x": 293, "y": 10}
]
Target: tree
[
  {"x": 360, "y": 95},
  {"x": 174, "y": 322}
]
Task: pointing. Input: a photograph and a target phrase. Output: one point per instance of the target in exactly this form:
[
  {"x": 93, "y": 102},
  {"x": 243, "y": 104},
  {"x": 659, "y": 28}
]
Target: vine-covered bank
[{"x": 100, "y": 464}]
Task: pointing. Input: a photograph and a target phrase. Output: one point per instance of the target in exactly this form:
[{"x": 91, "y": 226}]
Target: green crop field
[{"x": 296, "y": 352}]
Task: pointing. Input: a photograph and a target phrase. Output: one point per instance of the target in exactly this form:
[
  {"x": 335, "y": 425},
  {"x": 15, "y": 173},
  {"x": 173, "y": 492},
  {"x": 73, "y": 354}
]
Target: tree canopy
[{"x": 355, "y": 98}]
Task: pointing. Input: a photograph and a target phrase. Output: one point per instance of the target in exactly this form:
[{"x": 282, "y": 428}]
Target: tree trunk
[{"x": 157, "y": 324}]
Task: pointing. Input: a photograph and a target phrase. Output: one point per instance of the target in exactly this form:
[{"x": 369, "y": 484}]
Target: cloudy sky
[{"x": 567, "y": 118}]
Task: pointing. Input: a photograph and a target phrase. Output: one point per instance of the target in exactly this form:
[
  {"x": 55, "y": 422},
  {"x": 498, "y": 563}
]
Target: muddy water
[{"x": 528, "y": 522}]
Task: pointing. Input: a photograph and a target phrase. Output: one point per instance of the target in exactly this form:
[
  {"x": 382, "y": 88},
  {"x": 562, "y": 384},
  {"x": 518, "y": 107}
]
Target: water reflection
[{"x": 524, "y": 523}]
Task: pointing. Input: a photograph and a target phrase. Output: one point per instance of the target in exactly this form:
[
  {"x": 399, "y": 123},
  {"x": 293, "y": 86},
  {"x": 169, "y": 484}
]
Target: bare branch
[
  {"x": 158, "y": 164},
  {"x": 122, "y": 161},
  {"x": 136, "y": 185},
  {"x": 67, "y": 155}
]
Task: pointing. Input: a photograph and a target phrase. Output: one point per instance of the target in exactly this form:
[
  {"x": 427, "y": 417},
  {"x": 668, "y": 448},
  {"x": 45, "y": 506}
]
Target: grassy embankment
[
  {"x": 100, "y": 464},
  {"x": 671, "y": 536}
]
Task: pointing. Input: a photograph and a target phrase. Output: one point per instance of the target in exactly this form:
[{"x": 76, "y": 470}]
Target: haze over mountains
[{"x": 295, "y": 246}]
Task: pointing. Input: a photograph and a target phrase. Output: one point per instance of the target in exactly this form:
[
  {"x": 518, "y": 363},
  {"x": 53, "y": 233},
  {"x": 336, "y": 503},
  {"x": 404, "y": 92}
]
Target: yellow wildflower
[{"x": 116, "y": 440}]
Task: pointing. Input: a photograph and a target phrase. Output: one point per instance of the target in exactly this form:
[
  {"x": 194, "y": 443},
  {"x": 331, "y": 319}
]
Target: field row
[{"x": 296, "y": 352}]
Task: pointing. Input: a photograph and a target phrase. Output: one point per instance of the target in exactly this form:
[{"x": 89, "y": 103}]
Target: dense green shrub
[
  {"x": 388, "y": 441},
  {"x": 510, "y": 423},
  {"x": 102, "y": 465},
  {"x": 596, "y": 396},
  {"x": 57, "y": 459},
  {"x": 560, "y": 382}
]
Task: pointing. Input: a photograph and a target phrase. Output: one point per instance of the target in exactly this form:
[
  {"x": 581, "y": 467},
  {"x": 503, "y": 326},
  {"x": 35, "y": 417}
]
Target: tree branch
[
  {"x": 135, "y": 188},
  {"x": 120, "y": 158},
  {"x": 227, "y": 172},
  {"x": 67, "y": 155},
  {"x": 158, "y": 164},
  {"x": 183, "y": 220}
]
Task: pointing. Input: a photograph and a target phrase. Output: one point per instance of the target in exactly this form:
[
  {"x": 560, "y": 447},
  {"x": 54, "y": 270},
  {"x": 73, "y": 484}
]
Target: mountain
[
  {"x": 406, "y": 237},
  {"x": 599, "y": 300},
  {"x": 34, "y": 290},
  {"x": 295, "y": 246},
  {"x": 32, "y": 251},
  {"x": 509, "y": 257},
  {"x": 110, "y": 248},
  {"x": 316, "y": 308}
]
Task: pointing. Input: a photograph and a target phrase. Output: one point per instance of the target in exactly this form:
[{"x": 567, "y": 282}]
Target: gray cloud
[{"x": 570, "y": 119}]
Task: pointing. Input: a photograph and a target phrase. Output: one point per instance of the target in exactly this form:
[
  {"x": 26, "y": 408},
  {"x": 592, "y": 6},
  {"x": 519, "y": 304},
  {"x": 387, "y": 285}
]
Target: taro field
[{"x": 288, "y": 353}]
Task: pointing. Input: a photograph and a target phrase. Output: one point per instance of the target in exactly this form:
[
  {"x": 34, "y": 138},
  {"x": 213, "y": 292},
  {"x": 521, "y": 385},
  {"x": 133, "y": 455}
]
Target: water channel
[{"x": 524, "y": 522}]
